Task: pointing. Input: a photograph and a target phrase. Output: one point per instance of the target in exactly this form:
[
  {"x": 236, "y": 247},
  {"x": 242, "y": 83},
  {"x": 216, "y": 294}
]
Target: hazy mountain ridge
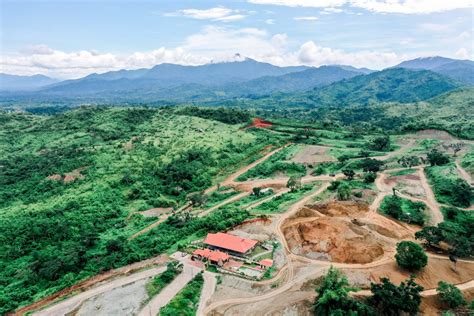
[
  {"x": 15, "y": 82},
  {"x": 462, "y": 70}
]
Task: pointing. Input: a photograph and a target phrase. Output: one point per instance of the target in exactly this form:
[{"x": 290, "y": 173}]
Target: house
[
  {"x": 214, "y": 257},
  {"x": 266, "y": 263},
  {"x": 231, "y": 244}
]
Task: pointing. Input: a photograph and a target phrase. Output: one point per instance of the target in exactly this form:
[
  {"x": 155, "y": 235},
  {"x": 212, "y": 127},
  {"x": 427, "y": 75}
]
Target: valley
[{"x": 319, "y": 203}]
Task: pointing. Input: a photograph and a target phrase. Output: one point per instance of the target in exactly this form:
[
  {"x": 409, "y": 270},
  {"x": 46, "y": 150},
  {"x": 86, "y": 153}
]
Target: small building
[
  {"x": 234, "y": 245},
  {"x": 215, "y": 257},
  {"x": 266, "y": 263}
]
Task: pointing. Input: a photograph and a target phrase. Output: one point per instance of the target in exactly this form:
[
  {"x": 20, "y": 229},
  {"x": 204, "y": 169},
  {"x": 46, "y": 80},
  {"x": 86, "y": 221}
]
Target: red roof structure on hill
[
  {"x": 266, "y": 262},
  {"x": 230, "y": 242},
  {"x": 211, "y": 255}
]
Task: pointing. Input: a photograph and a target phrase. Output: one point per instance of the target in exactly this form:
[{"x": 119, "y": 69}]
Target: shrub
[
  {"x": 410, "y": 256},
  {"x": 450, "y": 295},
  {"x": 437, "y": 158}
]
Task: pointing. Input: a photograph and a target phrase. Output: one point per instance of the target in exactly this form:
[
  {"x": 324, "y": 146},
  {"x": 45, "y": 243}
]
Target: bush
[
  {"x": 411, "y": 256},
  {"x": 390, "y": 299},
  {"x": 370, "y": 177},
  {"x": 404, "y": 210},
  {"x": 437, "y": 158},
  {"x": 449, "y": 294}
]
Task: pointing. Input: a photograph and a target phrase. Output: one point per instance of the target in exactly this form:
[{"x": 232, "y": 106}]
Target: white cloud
[
  {"x": 210, "y": 44},
  {"x": 216, "y": 14},
  {"x": 270, "y": 21},
  {"x": 331, "y": 10},
  {"x": 305, "y": 18},
  {"x": 379, "y": 6}
]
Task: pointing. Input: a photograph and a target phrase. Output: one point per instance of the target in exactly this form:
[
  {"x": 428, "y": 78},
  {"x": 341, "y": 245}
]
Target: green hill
[{"x": 391, "y": 85}]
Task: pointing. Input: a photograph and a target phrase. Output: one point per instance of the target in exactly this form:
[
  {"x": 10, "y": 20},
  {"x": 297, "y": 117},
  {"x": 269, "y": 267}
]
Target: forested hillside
[{"x": 70, "y": 184}]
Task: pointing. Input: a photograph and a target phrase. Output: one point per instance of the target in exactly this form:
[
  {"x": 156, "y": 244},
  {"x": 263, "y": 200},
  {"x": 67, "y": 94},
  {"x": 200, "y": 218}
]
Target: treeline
[{"x": 225, "y": 115}]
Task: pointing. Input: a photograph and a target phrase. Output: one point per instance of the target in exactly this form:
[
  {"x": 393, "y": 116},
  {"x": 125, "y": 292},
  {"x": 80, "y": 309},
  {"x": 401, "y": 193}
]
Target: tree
[
  {"x": 343, "y": 192},
  {"x": 333, "y": 297},
  {"x": 430, "y": 234},
  {"x": 257, "y": 191},
  {"x": 370, "y": 177},
  {"x": 293, "y": 183},
  {"x": 450, "y": 295},
  {"x": 410, "y": 256},
  {"x": 371, "y": 165},
  {"x": 197, "y": 198},
  {"x": 381, "y": 143},
  {"x": 349, "y": 173},
  {"x": 437, "y": 158},
  {"x": 392, "y": 206},
  {"x": 390, "y": 299},
  {"x": 409, "y": 161}
]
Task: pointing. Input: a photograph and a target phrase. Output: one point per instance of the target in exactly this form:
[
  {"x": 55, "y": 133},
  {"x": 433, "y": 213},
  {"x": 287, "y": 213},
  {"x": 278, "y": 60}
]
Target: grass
[
  {"x": 404, "y": 210},
  {"x": 449, "y": 188},
  {"x": 160, "y": 281},
  {"x": 402, "y": 172},
  {"x": 186, "y": 301},
  {"x": 216, "y": 197},
  {"x": 281, "y": 202}
]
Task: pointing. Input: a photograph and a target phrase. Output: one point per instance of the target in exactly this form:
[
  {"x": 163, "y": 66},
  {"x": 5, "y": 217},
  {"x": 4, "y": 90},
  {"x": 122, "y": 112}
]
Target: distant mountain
[
  {"x": 462, "y": 70},
  {"x": 17, "y": 83},
  {"x": 171, "y": 76},
  {"x": 292, "y": 82},
  {"x": 390, "y": 85}
]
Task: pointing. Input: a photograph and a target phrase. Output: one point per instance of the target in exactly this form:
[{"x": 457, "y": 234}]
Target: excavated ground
[{"x": 341, "y": 232}]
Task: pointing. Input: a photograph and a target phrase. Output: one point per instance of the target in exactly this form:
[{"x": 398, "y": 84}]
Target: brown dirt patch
[
  {"x": 409, "y": 184},
  {"x": 435, "y": 134},
  {"x": 55, "y": 177},
  {"x": 156, "y": 212},
  {"x": 432, "y": 306},
  {"x": 260, "y": 123},
  {"x": 68, "y": 177},
  {"x": 312, "y": 154},
  {"x": 326, "y": 231},
  {"x": 436, "y": 270}
]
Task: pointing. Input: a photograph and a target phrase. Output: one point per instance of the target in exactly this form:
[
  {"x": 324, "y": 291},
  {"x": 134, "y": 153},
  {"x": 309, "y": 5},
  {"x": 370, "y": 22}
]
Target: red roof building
[
  {"x": 230, "y": 242},
  {"x": 211, "y": 255},
  {"x": 266, "y": 263}
]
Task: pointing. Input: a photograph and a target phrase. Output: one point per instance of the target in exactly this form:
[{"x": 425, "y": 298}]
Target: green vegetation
[
  {"x": 186, "y": 301},
  {"x": 402, "y": 172},
  {"x": 448, "y": 187},
  {"x": 333, "y": 297},
  {"x": 437, "y": 158},
  {"x": 279, "y": 203},
  {"x": 450, "y": 295},
  {"x": 457, "y": 230},
  {"x": 411, "y": 256},
  {"x": 160, "y": 281},
  {"x": 275, "y": 164},
  {"x": 389, "y": 299},
  {"x": 404, "y": 209},
  {"x": 467, "y": 162},
  {"x": 57, "y": 232}
]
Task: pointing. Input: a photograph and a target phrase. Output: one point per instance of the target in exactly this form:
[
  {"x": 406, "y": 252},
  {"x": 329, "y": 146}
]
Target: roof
[
  {"x": 230, "y": 242},
  {"x": 211, "y": 255},
  {"x": 266, "y": 262}
]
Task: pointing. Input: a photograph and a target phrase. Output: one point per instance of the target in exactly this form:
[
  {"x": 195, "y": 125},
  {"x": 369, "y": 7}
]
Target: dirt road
[
  {"x": 436, "y": 215},
  {"x": 170, "y": 291},
  {"x": 66, "y": 306},
  {"x": 463, "y": 173},
  {"x": 210, "y": 282}
]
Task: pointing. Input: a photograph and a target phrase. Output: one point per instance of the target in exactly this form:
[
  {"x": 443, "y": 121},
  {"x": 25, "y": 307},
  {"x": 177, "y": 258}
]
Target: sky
[{"x": 72, "y": 38}]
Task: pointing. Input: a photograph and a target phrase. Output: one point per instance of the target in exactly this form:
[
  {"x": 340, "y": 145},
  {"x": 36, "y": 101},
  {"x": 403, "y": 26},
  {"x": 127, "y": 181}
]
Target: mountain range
[{"x": 409, "y": 81}]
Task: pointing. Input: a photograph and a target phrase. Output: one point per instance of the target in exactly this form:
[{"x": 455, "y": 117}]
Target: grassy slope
[{"x": 55, "y": 233}]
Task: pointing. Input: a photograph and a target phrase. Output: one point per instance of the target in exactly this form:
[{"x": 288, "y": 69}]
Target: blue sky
[{"x": 73, "y": 38}]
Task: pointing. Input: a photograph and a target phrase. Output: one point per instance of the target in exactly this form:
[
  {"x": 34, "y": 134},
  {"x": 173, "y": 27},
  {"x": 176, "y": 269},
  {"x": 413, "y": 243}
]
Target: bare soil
[
  {"x": 436, "y": 270},
  {"x": 341, "y": 232},
  {"x": 409, "y": 184},
  {"x": 156, "y": 212},
  {"x": 312, "y": 154}
]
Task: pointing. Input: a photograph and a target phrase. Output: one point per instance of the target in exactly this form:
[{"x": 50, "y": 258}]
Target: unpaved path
[
  {"x": 170, "y": 291},
  {"x": 436, "y": 215},
  {"x": 64, "y": 307},
  {"x": 426, "y": 293},
  {"x": 225, "y": 202},
  {"x": 208, "y": 289},
  {"x": 463, "y": 173}
]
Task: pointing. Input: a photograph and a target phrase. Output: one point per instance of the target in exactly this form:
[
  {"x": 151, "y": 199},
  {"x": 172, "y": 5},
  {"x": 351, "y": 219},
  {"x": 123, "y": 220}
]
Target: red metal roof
[
  {"x": 266, "y": 262},
  {"x": 230, "y": 242},
  {"x": 211, "y": 255}
]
